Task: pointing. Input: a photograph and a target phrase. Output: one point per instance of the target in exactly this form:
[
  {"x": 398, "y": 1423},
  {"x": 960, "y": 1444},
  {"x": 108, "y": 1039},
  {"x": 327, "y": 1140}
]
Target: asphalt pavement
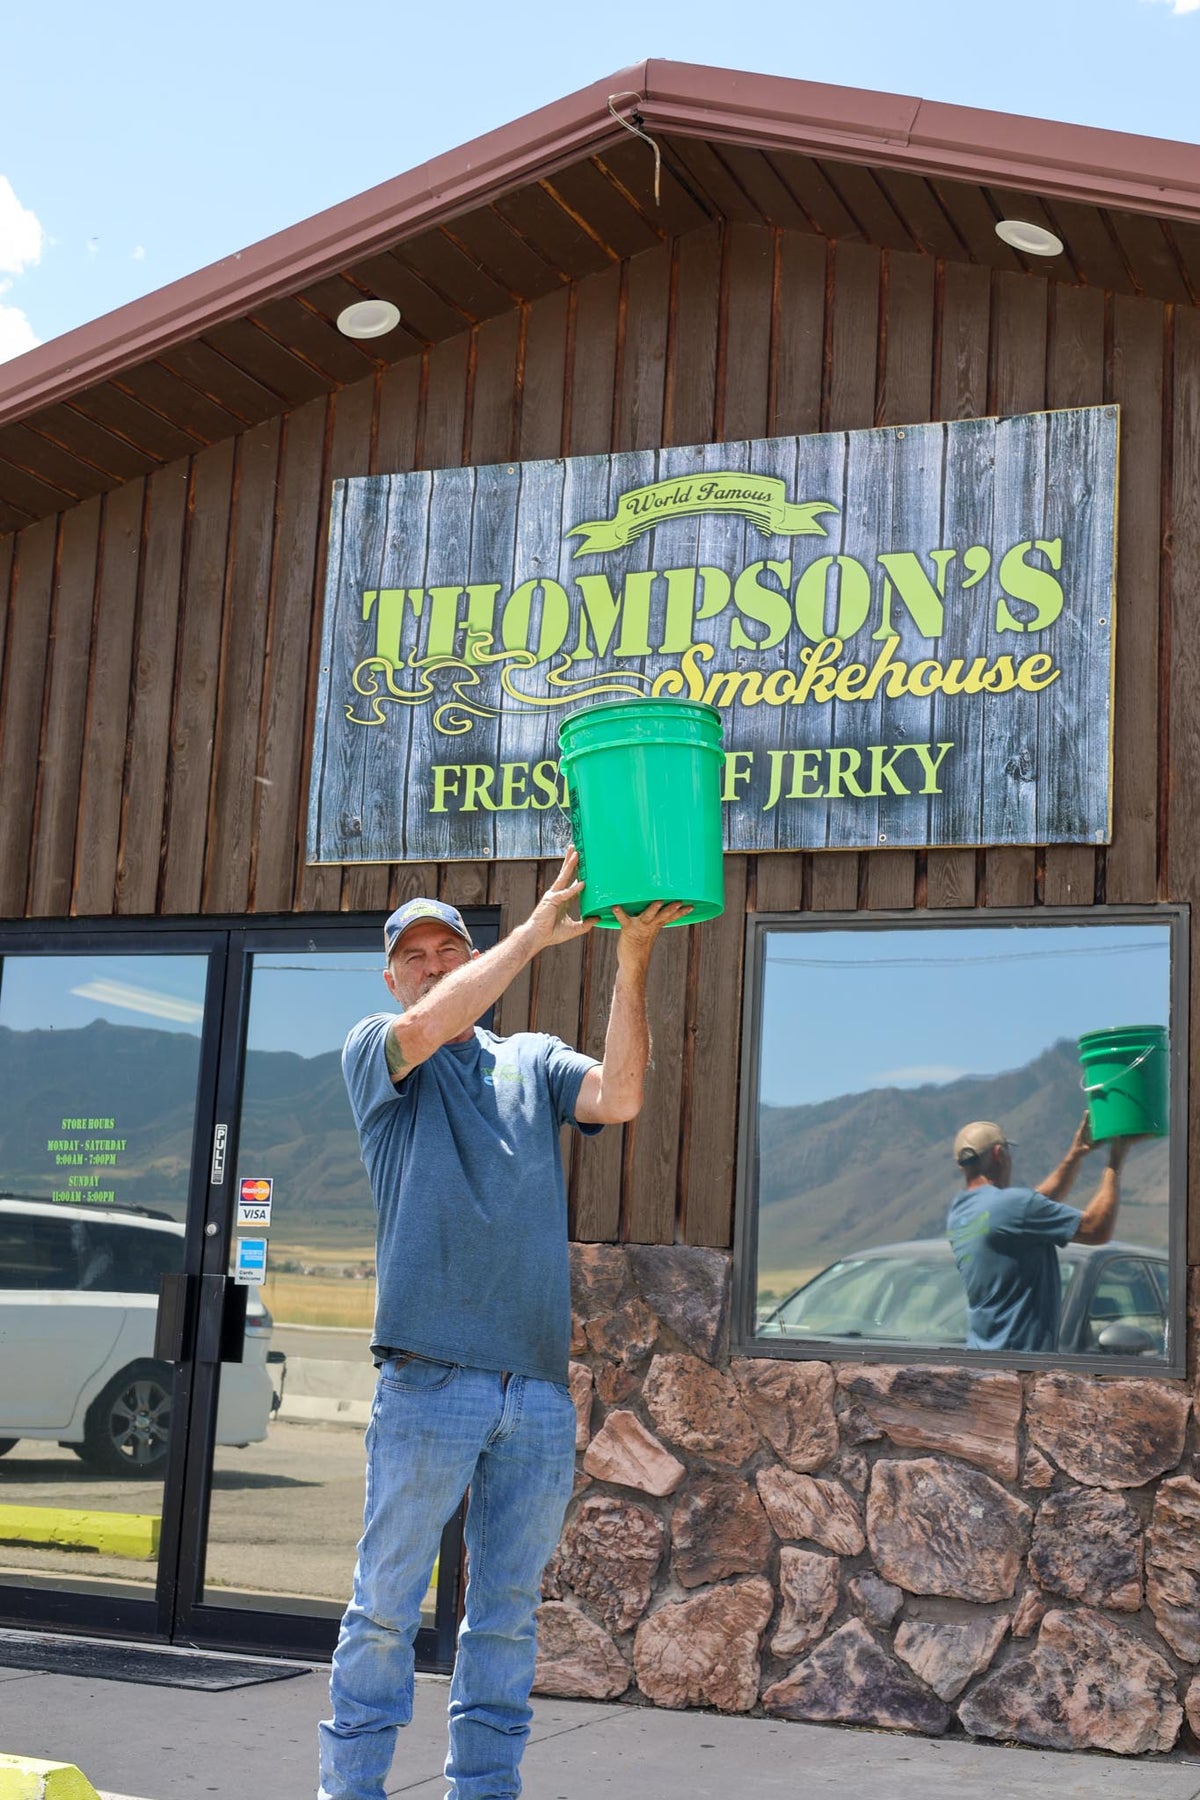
[
  {"x": 258, "y": 1743},
  {"x": 284, "y": 1518}
]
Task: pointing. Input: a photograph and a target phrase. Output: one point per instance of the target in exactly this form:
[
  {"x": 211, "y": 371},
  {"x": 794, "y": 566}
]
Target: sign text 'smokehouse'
[{"x": 908, "y": 633}]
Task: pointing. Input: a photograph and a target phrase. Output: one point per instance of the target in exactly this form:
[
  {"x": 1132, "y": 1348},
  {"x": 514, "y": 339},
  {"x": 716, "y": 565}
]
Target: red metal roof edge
[
  {"x": 321, "y": 245},
  {"x": 926, "y": 137},
  {"x": 1083, "y": 162}
]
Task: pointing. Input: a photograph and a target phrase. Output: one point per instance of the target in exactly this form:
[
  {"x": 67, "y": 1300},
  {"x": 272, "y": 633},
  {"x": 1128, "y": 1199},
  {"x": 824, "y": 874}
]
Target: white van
[{"x": 78, "y": 1304}]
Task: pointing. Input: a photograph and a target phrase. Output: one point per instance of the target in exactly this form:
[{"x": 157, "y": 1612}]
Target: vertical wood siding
[{"x": 160, "y": 644}]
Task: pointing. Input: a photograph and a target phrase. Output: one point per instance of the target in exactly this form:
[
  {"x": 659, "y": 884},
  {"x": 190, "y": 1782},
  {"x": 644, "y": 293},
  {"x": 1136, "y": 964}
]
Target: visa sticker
[
  {"x": 250, "y": 1265},
  {"x": 254, "y": 1200}
]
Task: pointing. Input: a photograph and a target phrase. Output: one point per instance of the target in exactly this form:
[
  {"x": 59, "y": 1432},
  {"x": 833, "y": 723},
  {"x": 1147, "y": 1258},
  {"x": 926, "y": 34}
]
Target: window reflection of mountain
[
  {"x": 872, "y": 1167},
  {"x": 296, "y": 1123}
]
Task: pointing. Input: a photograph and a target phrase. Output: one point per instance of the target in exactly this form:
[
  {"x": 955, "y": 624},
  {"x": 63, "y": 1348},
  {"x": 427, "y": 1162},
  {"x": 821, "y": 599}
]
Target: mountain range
[
  {"x": 877, "y": 1167},
  {"x": 861, "y": 1169}
]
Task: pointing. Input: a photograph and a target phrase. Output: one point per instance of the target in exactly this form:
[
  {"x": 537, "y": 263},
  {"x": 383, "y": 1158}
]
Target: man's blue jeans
[{"x": 435, "y": 1429}]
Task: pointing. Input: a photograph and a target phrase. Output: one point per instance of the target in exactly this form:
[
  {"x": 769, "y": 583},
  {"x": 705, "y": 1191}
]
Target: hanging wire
[{"x": 634, "y": 124}]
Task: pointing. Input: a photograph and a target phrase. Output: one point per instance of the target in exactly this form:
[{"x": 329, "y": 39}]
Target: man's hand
[
  {"x": 639, "y": 931},
  {"x": 1083, "y": 1141},
  {"x": 1119, "y": 1148},
  {"x": 550, "y": 920},
  {"x": 1059, "y": 1183}
]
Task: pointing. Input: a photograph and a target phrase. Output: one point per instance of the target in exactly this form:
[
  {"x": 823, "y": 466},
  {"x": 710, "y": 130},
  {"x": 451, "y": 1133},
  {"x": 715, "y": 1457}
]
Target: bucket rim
[
  {"x": 1112, "y": 1033},
  {"x": 639, "y": 701},
  {"x": 570, "y": 754}
]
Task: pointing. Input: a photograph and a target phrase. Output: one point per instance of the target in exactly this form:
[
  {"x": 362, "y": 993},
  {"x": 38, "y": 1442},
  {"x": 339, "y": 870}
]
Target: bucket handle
[
  {"x": 569, "y": 815},
  {"x": 1100, "y": 1086}
]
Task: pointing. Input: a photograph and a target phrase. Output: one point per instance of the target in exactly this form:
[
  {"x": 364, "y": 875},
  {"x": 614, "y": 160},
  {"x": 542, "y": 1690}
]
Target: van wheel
[
  {"x": 128, "y": 1425},
  {"x": 7, "y": 1444}
]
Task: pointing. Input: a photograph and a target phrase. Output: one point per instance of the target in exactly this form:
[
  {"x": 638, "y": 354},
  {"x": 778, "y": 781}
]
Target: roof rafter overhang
[{"x": 898, "y": 132}]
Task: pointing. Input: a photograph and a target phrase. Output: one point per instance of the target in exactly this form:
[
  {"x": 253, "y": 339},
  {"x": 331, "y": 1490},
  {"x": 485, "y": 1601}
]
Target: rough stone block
[
  {"x": 577, "y": 1659},
  {"x": 850, "y": 1679},
  {"x": 1087, "y": 1545},
  {"x": 1088, "y": 1685},
  {"x": 808, "y": 1583},
  {"x": 1173, "y": 1565},
  {"x": 960, "y": 1412},
  {"x": 609, "y": 1555},
  {"x": 1111, "y": 1434},
  {"x": 936, "y": 1528},
  {"x": 623, "y": 1451},
  {"x": 719, "y": 1529},
  {"x": 698, "y": 1408},
  {"x": 705, "y": 1651},
  {"x": 947, "y": 1655},
  {"x": 803, "y": 1506},
  {"x": 792, "y": 1405}
]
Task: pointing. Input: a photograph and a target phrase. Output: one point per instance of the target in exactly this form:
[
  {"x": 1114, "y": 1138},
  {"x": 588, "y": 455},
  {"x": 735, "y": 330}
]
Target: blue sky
[
  {"x": 845, "y": 1011},
  {"x": 140, "y": 142},
  {"x": 301, "y": 1003}
]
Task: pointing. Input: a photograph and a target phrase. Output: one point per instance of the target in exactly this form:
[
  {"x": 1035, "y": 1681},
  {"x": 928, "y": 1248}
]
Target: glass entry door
[
  {"x": 187, "y": 1285},
  {"x": 284, "y": 1511},
  {"x": 106, "y": 1065}
]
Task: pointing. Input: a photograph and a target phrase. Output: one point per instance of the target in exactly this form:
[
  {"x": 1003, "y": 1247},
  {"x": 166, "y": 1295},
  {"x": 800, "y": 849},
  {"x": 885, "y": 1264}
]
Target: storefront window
[{"x": 872, "y": 1046}]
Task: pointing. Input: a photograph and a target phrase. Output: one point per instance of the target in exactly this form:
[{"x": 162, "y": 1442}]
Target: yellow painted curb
[
  {"x": 114, "y": 1533},
  {"x": 24, "y": 1778}
]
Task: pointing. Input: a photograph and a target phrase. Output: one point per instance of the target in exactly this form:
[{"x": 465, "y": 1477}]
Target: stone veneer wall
[{"x": 879, "y": 1545}]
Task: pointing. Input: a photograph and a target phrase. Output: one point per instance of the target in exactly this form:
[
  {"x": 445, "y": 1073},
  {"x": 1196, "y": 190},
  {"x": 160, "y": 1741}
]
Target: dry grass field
[
  {"x": 318, "y": 1300},
  {"x": 775, "y": 1285}
]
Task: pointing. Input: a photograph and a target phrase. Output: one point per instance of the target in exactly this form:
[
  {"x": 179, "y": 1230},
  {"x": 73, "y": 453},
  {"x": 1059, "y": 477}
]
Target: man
[
  {"x": 459, "y": 1131},
  {"x": 1005, "y": 1238}
]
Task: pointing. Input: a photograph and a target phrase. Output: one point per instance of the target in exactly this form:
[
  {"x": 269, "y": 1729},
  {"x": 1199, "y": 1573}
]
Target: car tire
[
  {"x": 7, "y": 1444},
  {"x": 127, "y": 1430}
]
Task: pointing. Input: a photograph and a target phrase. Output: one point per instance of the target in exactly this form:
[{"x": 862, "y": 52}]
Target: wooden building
[{"x": 814, "y": 260}]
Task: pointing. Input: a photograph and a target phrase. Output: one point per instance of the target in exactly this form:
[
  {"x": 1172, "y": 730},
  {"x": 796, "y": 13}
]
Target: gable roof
[{"x": 552, "y": 197}]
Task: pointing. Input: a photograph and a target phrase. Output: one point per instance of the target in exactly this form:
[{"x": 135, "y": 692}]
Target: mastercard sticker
[{"x": 254, "y": 1200}]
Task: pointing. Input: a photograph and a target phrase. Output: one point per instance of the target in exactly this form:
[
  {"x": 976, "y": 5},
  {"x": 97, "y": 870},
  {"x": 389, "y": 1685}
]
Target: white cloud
[
  {"x": 139, "y": 250},
  {"x": 16, "y": 333},
  {"x": 21, "y": 234},
  {"x": 917, "y": 1075},
  {"x": 1181, "y": 6},
  {"x": 21, "y": 243}
]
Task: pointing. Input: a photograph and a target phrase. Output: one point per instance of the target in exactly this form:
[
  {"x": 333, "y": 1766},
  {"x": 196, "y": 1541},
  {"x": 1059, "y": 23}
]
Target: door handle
[
  {"x": 176, "y": 1316},
  {"x": 221, "y": 1331}
]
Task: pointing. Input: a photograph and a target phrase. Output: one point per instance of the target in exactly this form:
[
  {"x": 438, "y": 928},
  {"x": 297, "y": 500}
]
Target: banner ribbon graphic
[{"x": 760, "y": 498}]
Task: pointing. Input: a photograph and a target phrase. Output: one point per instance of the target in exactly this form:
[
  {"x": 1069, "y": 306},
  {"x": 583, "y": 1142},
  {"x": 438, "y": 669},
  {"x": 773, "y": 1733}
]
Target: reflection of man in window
[{"x": 1005, "y": 1239}]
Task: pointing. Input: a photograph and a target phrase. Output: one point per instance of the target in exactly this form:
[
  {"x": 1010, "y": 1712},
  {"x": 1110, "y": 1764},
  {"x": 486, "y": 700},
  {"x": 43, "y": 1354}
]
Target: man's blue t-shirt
[
  {"x": 1004, "y": 1242},
  {"x": 465, "y": 1169}
]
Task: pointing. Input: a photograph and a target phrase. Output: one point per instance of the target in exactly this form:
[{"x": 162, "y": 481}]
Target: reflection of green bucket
[
  {"x": 644, "y": 782},
  {"x": 1125, "y": 1079}
]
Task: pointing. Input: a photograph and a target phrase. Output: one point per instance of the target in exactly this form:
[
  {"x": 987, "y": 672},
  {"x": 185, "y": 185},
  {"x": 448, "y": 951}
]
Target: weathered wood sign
[{"x": 908, "y": 632}]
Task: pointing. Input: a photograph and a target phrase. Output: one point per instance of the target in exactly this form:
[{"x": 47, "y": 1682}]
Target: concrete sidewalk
[{"x": 258, "y": 1743}]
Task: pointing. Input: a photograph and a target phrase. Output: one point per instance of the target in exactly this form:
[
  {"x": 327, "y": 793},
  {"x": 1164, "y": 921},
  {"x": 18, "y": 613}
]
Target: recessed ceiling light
[
  {"x": 1034, "y": 240},
  {"x": 368, "y": 319}
]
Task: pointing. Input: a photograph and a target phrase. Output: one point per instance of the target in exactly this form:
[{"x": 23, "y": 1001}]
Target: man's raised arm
[
  {"x": 453, "y": 1004},
  {"x": 613, "y": 1092}
]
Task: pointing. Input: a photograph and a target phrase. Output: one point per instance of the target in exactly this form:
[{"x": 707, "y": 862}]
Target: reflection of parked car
[
  {"x": 78, "y": 1304},
  {"x": 1114, "y": 1299}
]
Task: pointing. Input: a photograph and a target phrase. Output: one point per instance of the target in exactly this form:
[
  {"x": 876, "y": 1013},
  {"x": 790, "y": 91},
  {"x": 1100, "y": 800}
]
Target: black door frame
[{"x": 176, "y": 1613}]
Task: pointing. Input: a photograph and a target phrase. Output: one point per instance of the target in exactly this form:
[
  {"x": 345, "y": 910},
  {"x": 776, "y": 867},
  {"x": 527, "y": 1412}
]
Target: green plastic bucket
[
  {"x": 644, "y": 787},
  {"x": 1125, "y": 1077}
]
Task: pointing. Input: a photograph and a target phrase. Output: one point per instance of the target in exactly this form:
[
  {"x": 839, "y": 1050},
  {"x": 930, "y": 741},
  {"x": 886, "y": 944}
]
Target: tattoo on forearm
[{"x": 395, "y": 1056}]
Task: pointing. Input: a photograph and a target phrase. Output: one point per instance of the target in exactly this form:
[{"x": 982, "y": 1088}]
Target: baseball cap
[
  {"x": 417, "y": 912},
  {"x": 978, "y": 1138}
]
